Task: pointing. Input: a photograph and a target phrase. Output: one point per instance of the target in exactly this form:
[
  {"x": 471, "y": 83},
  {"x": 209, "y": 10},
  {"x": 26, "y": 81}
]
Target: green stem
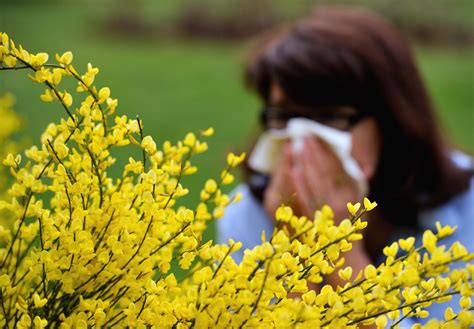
[{"x": 99, "y": 177}]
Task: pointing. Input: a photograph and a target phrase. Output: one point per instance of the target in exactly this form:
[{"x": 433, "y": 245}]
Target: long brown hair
[{"x": 343, "y": 56}]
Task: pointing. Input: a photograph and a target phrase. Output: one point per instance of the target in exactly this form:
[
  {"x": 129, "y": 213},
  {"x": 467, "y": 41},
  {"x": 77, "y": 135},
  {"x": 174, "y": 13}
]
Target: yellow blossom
[
  {"x": 381, "y": 321},
  {"x": 406, "y": 244},
  {"x": 234, "y": 160},
  {"x": 189, "y": 140},
  {"x": 391, "y": 251},
  {"x": 227, "y": 178},
  {"x": 345, "y": 273},
  {"x": 4, "y": 280},
  {"x": 445, "y": 230},
  {"x": 65, "y": 58},
  {"x": 211, "y": 186},
  {"x": 284, "y": 214},
  {"x": 39, "y": 323},
  {"x": 449, "y": 314},
  {"x": 353, "y": 208},
  {"x": 38, "y": 301},
  {"x": 429, "y": 240},
  {"x": 208, "y": 132},
  {"x": 369, "y": 205},
  {"x": 465, "y": 302},
  {"x": 100, "y": 250}
]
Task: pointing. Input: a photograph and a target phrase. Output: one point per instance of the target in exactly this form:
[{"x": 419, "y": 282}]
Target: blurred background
[{"x": 178, "y": 63}]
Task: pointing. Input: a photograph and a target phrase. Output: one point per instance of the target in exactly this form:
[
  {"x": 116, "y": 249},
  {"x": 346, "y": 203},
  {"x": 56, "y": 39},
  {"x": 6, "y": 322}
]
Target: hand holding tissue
[{"x": 269, "y": 146}]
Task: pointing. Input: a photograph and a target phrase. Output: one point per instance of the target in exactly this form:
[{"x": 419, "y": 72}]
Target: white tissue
[{"x": 264, "y": 157}]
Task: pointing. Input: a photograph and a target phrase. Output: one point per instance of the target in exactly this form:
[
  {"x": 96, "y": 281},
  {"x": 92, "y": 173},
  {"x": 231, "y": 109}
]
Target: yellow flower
[
  {"x": 103, "y": 245},
  {"x": 99, "y": 316},
  {"x": 42, "y": 75},
  {"x": 210, "y": 186},
  {"x": 369, "y": 205},
  {"x": 65, "y": 59},
  {"x": 237, "y": 197},
  {"x": 56, "y": 77},
  {"x": 392, "y": 250},
  {"x": 227, "y": 178},
  {"x": 381, "y": 321},
  {"x": 345, "y": 273},
  {"x": 370, "y": 272},
  {"x": 104, "y": 93},
  {"x": 466, "y": 318},
  {"x": 149, "y": 144},
  {"x": 185, "y": 215},
  {"x": 465, "y": 302},
  {"x": 38, "y": 60},
  {"x": 38, "y": 301},
  {"x": 309, "y": 297},
  {"x": 304, "y": 251},
  {"x": 186, "y": 260},
  {"x": 67, "y": 99},
  {"x": 9, "y": 160},
  {"x": 4, "y": 280},
  {"x": 445, "y": 230},
  {"x": 429, "y": 241},
  {"x": 189, "y": 140},
  {"x": 443, "y": 283},
  {"x": 449, "y": 314},
  {"x": 208, "y": 132},
  {"x": 104, "y": 257},
  {"x": 353, "y": 208},
  {"x": 202, "y": 275},
  {"x": 234, "y": 160},
  {"x": 9, "y": 61},
  {"x": 47, "y": 96},
  {"x": 406, "y": 244},
  {"x": 218, "y": 212},
  {"x": 428, "y": 285},
  {"x": 60, "y": 148},
  {"x": 39, "y": 323}
]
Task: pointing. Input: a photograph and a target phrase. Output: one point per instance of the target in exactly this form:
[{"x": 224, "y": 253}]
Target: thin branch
[{"x": 97, "y": 173}]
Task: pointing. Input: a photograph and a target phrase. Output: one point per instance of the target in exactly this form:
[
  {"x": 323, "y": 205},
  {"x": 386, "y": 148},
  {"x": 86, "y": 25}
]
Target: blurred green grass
[{"x": 178, "y": 86}]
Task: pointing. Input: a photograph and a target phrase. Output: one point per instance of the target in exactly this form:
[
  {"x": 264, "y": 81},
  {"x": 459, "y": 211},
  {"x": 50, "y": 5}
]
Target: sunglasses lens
[{"x": 275, "y": 117}]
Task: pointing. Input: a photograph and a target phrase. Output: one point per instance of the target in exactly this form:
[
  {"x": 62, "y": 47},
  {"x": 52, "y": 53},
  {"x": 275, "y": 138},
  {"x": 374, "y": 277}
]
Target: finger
[
  {"x": 283, "y": 162},
  {"x": 277, "y": 191},
  {"x": 314, "y": 179},
  {"x": 334, "y": 172},
  {"x": 327, "y": 160},
  {"x": 284, "y": 165},
  {"x": 339, "y": 185},
  {"x": 301, "y": 199}
]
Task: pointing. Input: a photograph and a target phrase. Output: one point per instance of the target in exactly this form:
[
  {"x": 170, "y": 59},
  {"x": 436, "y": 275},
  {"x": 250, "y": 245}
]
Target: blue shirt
[{"x": 245, "y": 221}]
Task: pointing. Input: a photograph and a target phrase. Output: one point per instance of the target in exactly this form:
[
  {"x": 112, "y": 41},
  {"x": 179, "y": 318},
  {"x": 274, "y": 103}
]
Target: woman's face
[{"x": 366, "y": 137}]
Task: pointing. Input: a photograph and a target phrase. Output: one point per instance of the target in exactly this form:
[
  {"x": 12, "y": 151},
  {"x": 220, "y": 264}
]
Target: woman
[{"x": 354, "y": 72}]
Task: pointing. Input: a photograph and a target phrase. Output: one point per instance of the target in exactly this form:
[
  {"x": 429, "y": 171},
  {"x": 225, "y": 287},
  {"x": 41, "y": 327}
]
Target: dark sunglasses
[{"x": 337, "y": 120}]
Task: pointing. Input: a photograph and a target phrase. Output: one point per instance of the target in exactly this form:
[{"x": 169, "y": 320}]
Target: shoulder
[
  {"x": 458, "y": 211},
  {"x": 461, "y": 159}
]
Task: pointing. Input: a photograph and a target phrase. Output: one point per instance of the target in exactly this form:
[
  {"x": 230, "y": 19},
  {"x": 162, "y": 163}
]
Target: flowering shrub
[
  {"x": 89, "y": 250},
  {"x": 11, "y": 124}
]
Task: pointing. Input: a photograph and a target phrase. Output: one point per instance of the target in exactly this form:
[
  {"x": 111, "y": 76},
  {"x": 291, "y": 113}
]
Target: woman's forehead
[{"x": 278, "y": 97}]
